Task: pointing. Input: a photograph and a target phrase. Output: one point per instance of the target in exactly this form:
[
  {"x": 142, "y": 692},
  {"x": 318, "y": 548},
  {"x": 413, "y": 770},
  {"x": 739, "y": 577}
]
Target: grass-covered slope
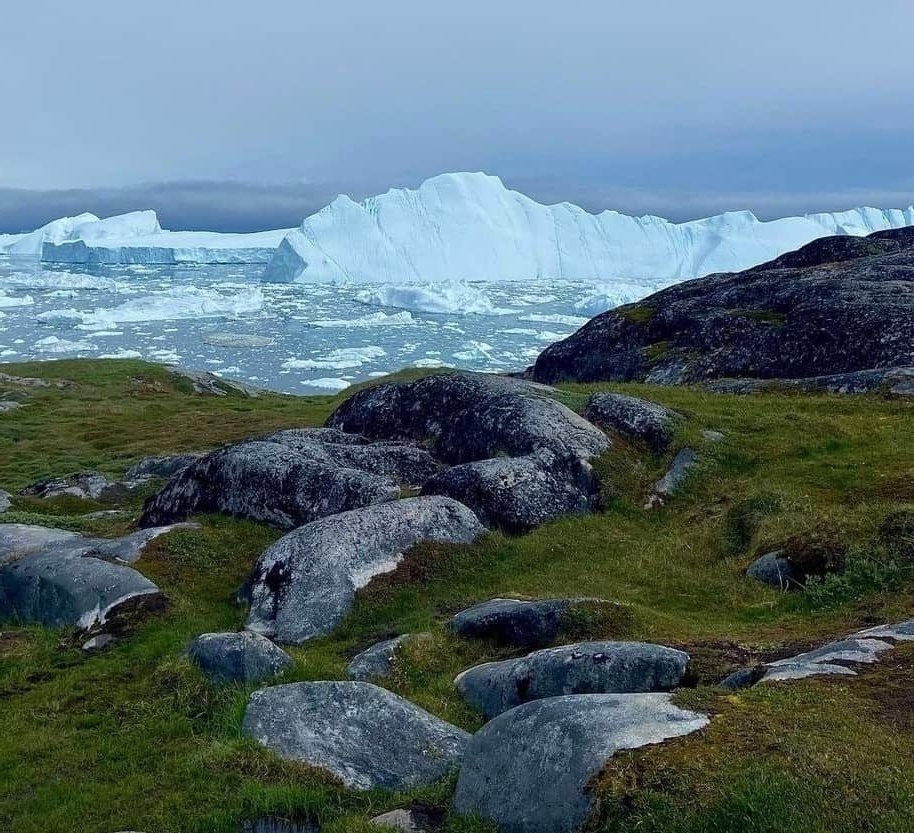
[{"x": 133, "y": 738}]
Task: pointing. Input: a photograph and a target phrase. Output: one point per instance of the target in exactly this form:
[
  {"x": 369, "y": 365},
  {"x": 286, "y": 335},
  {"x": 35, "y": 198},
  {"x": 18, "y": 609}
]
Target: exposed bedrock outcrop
[
  {"x": 57, "y": 578},
  {"x": 305, "y": 583},
  {"x": 464, "y": 417},
  {"x": 837, "y": 306}
]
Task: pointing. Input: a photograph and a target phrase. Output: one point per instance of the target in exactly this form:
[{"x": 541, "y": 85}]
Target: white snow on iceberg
[
  {"x": 469, "y": 227},
  {"x": 448, "y": 298},
  {"x": 137, "y": 238}
]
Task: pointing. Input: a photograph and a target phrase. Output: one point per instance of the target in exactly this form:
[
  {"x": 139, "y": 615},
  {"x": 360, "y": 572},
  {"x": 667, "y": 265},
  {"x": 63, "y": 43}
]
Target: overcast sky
[{"x": 677, "y": 108}]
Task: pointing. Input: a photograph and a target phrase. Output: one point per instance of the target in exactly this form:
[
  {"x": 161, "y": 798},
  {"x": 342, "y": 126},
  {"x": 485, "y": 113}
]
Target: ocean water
[{"x": 297, "y": 338}]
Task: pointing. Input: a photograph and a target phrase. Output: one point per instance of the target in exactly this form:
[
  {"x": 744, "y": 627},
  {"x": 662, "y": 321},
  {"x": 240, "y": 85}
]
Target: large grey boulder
[
  {"x": 463, "y": 417},
  {"x": 584, "y": 668},
  {"x": 517, "y": 494},
  {"x": 237, "y": 657},
  {"x": 521, "y": 623},
  {"x": 266, "y": 481},
  {"x": 376, "y": 661},
  {"x": 530, "y": 769},
  {"x": 836, "y": 306},
  {"x": 404, "y": 462},
  {"x": 303, "y": 585},
  {"x": 364, "y": 735},
  {"x": 637, "y": 419},
  {"x": 56, "y": 578}
]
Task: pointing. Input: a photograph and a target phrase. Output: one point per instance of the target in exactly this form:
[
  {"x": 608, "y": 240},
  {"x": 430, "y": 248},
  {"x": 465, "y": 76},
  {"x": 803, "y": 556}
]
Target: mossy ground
[{"x": 133, "y": 738}]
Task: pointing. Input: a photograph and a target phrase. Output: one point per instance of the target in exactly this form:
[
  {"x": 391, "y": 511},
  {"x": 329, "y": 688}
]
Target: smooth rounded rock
[
  {"x": 637, "y": 419},
  {"x": 773, "y": 569},
  {"x": 243, "y": 657},
  {"x": 464, "y": 417},
  {"x": 364, "y": 735},
  {"x": 303, "y": 585},
  {"x": 521, "y": 623},
  {"x": 530, "y": 769},
  {"x": 583, "y": 668},
  {"x": 518, "y": 494},
  {"x": 266, "y": 481},
  {"x": 376, "y": 661}
]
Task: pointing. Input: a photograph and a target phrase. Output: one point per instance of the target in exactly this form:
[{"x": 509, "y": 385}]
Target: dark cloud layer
[{"x": 660, "y": 106}]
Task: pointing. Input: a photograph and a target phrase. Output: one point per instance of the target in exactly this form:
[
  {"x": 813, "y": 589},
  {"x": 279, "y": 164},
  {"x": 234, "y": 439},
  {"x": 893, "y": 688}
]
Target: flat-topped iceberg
[
  {"x": 468, "y": 227},
  {"x": 137, "y": 238}
]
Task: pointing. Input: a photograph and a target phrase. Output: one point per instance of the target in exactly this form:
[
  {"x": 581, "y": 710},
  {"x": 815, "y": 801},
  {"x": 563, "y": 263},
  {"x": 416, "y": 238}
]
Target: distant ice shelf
[
  {"x": 137, "y": 238},
  {"x": 470, "y": 227}
]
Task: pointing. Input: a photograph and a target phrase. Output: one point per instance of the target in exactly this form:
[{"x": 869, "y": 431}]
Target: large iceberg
[
  {"x": 137, "y": 237},
  {"x": 30, "y": 245},
  {"x": 469, "y": 226}
]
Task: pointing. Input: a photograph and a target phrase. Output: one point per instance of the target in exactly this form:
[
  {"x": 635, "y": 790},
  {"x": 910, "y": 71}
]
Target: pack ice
[{"x": 469, "y": 226}]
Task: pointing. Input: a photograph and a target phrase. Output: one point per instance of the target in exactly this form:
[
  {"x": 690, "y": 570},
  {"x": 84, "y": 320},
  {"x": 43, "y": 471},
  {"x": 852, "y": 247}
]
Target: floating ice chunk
[
  {"x": 236, "y": 340},
  {"x": 10, "y": 301},
  {"x": 449, "y": 298},
  {"x": 326, "y": 384},
  {"x": 53, "y": 344},
  {"x": 543, "y": 318},
  {"x": 122, "y": 354},
  {"x": 345, "y": 358},
  {"x": 377, "y": 319}
]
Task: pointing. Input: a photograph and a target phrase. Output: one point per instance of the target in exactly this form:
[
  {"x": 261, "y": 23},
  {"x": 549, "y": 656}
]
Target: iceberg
[
  {"x": 30, "y": 245},
  {"x": 137, "y": 238},
  {"x": 469, "y": 227}
]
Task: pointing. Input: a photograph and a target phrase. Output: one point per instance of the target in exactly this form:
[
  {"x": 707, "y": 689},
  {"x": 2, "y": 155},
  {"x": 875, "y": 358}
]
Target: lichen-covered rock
[
  {"x": 896, "y": 381},
  {"x": 523, "y": 624},
  {"x": 364, "y": 735},
  {"x": 530, "y": 769},
  {"x": 86, "y": 485},
  {"x": 165, "y": 467},
  {"x": 53, "y": 577},
  {"x": 266, "y": 481},
  {"x": 773, "y": 569},
  {"x": 463, "y": 417},
  {"x": 584, "y": 668},
  {"x": 517, "y": 494},
  {"x": 404, "y": 462},
  {"x": 377, "y": 661},
  {"x": 637, "y": 419},
  {"x": 304, "y": 584},
  {"x": 828, "y": 309},
  {"x": 243, "y": 657}
]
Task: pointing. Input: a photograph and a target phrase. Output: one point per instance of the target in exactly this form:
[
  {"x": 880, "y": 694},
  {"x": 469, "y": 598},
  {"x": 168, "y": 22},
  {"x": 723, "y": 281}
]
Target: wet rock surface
[
  {"x": 583, "y": 668},
  {"x": 530, "y": 769},
  {"x": 364, "y": 735},
  {"x": 305, "y": 583},
  {"x": 837, "y": 306}
]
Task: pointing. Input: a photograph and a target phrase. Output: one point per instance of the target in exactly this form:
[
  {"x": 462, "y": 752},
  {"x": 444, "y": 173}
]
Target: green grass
[{"x": 133, "y": 738}]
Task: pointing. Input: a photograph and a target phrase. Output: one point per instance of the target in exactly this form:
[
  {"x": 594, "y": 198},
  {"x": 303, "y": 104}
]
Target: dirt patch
[
  {"x": 714, "y": 660},
  {"x": 13, "y": 643},
  {"x": 889, "y": 685}
]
